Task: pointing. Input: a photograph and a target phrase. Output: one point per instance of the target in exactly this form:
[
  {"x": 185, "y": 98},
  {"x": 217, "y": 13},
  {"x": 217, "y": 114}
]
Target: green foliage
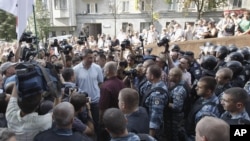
[
  {"x": 42, "y": 21},
  {"x": 7, "y": 26},
  {"x": 203, "y": 5}
]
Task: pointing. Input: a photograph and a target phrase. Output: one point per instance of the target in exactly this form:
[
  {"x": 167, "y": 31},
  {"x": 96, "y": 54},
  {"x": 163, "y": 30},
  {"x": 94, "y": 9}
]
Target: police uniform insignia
[
  {"x": 157, "y": 101},
  {"x": 197, "y": 72}
]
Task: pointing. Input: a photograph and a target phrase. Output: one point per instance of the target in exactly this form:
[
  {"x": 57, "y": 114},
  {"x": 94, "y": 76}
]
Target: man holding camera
[{"x": 23, "y": 119}]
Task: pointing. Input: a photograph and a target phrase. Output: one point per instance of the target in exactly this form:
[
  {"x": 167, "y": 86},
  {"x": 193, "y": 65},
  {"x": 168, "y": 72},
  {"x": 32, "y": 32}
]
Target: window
[
  {"x": 173, "y": 5},
  {"x": 144, "y": 25},
  {"x": 45, "y": 4},
  {"x": 53, "y": 33},
  {"x": 63, "y": 32},
  {"x": 60, "y": 4},
  {"x": 92, "y": 8},
  {"x": 124, "y": 26},
  {"x": 237, "y": 3},
  {"x": 125, "y": 6},
  {"x": 142, "y": 5}
]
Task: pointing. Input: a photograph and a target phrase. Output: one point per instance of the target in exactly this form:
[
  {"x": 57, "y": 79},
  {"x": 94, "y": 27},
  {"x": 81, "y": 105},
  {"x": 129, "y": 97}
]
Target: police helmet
[
  {"x": 208, "y": 62},
  {"x": 235, "y": 66},
  {"x": 245, "y": 52},
  {"x": 221, "y": 52},
  {"x": 235, "y": 56},
  {"x": 232, "y": 48}
]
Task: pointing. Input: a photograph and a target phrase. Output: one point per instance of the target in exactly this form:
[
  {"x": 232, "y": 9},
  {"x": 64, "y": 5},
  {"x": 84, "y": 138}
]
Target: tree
[
  {"x": 42, "y": 21},
  {"x": 201, "y": 4},
  {"x": 7, "y": 26}
]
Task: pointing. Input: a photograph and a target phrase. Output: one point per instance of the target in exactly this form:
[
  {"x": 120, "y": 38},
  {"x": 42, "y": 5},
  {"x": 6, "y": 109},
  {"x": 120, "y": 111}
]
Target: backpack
[{"x": 33, "y": 78}]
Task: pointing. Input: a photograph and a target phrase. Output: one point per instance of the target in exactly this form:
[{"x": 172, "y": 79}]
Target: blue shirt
[
  {"x": 208, "y": 109},
  {"x": 88, "y": 80},
  {"x": 178, "y": 96},
  {"x": 156, "y": 103}
]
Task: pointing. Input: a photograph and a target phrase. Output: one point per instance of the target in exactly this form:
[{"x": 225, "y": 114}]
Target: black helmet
[
  {"x": 208, "y": 62},
  {"x": 245, "y": 52},
  {"x": 235, "y": 56},
  {"x": 235, "y": 66},
  {"x": 232, "y": 48},
  {"x": 221, "y": 52},
  {"x": 175, "y": 47}
]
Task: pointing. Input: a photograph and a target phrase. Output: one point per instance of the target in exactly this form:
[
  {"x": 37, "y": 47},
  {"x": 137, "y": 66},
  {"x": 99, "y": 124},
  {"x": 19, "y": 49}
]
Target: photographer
[{"x": 81, "y": 106}]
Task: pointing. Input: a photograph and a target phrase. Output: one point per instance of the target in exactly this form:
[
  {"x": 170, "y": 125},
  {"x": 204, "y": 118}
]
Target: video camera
[
  {"x": 164, "y": 42},
  {"x": 65, "y": 47},
  {"x": 131, "y": 73},
  {"x": 125, "y": 44},
  {"x": 28, "y": 38},
  {"x": 28, "y": 53}
]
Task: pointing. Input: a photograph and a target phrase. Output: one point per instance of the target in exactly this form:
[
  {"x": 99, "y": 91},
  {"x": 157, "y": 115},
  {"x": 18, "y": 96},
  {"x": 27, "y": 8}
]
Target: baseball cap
[{"x": 6, "y": 65}]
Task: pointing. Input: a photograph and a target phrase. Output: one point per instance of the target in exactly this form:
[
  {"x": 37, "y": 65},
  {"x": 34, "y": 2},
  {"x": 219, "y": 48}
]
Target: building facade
[{"x": 112, "y": 16}]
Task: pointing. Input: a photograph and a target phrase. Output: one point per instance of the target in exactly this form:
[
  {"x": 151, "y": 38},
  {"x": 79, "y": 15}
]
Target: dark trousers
[{"x": 95, "y": 115}]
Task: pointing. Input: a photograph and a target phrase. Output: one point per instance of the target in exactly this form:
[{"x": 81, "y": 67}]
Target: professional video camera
[
  {"x": 28, "y": 38},
  {"x": 65, "y": 47},
  {"x": 28, "y": 53},
  {"x": 131, "y": 73},
  {"x": 164, "y": 42},
  {"x": 125, "y": 44}
]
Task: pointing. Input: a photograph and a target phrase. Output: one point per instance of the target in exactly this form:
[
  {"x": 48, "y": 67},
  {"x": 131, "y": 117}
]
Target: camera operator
[{"x": 22, "y": 118}]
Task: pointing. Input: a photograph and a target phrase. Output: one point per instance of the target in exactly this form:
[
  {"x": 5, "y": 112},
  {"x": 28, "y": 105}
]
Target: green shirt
[{"x": 244, "y": 25}]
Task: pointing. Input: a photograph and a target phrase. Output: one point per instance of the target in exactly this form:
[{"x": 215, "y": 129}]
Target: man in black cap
[{"x": 194, "y": 69}]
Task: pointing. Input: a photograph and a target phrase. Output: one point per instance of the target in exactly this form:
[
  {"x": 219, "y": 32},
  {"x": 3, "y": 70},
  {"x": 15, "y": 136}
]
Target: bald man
[
  {"x": 63, "y": 115},
  {"x": 216, "y": 130}
]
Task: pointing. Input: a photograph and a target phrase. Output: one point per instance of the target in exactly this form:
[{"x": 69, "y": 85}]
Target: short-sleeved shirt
[
  {"x": 244, "y": 25},
  {"x": 87, "y": 80},
  {"x": 156, "y": 103}
]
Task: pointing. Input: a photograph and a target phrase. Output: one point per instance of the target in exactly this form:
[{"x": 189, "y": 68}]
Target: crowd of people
[{"x": 107, "y": 95}]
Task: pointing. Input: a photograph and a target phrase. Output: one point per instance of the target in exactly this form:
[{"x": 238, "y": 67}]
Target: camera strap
[{"x": 52, "y": 88}]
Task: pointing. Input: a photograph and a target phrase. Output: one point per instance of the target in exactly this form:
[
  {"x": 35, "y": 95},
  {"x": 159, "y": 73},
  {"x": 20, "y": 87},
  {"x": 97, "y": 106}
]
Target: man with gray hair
[{"x": 109, "y": 92}]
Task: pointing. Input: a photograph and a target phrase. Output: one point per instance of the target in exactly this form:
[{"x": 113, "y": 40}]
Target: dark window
[
  {"x": 88, "y": 8},
  {"x": 53, "y": 33},
  {"x": 237, "y": 3}
]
